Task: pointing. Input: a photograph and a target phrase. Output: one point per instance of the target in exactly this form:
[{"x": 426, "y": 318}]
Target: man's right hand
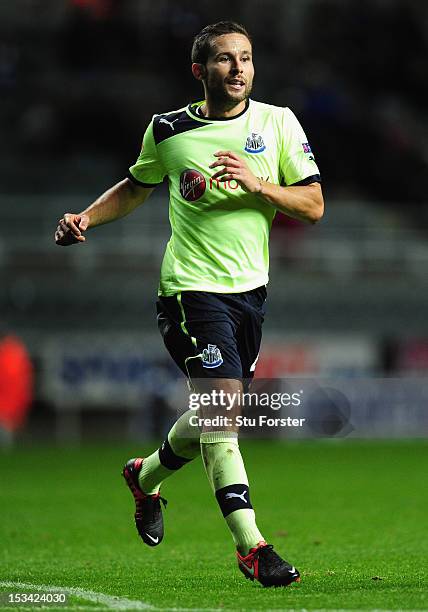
[{"x": 70, "y": 228}]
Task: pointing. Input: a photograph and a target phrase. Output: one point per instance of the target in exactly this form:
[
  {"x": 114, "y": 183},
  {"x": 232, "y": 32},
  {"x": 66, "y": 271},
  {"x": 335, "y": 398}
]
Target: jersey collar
[{"x": 193, "y": 107}]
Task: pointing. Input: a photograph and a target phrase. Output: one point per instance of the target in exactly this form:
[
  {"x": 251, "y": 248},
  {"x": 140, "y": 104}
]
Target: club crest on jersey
[
  {"x": 211, "y": 357},
  {"x": 255, "y": 143}
]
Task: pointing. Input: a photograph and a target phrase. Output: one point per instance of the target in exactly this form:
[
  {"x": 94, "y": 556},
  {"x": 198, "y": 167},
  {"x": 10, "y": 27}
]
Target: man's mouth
[{"x": 236, "y": 84}]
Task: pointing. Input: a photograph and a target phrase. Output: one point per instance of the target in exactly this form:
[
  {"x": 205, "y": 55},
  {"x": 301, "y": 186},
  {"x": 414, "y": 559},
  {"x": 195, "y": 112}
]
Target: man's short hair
[{"x": 202, "y": 42}]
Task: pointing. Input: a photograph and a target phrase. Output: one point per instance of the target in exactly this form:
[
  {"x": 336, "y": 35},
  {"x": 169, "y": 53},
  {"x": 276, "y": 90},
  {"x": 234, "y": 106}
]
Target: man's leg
[
  {"x": 182, "y": 443},
  {"x": 180, "y": 447},
  {"x": 226, "y": 471},
  {"x": 144, "y": 476}
]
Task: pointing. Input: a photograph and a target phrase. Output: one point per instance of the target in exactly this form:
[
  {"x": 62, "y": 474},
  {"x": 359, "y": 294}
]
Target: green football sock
[
  {"x": 180, "y": 447},
  {"x": 228, "y": 478}
]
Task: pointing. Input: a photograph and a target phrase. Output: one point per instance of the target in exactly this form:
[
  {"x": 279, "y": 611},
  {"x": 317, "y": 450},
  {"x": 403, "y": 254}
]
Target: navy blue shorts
[{"x": 213, "y": 335}]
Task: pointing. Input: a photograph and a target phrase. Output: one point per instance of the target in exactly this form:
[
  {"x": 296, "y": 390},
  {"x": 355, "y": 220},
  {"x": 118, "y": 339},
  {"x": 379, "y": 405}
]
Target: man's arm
[
  {"x": 116, "y": 202},
  {"x": 303, "y": 202}
]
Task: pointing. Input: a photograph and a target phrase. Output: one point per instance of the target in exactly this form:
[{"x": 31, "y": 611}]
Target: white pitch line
[{"x": 111, "y": 602}]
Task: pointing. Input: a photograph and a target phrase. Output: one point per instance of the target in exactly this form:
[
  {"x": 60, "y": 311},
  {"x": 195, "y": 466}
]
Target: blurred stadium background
[{"x": 80, "y": 79}]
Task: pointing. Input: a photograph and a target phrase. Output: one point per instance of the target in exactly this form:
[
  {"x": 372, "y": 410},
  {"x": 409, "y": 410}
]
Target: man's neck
[{"x": 212, "y": 111}]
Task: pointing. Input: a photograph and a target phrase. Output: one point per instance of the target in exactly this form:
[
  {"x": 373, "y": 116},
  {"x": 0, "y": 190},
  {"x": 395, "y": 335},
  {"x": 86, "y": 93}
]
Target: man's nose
[{"x": 237, "y": 66}]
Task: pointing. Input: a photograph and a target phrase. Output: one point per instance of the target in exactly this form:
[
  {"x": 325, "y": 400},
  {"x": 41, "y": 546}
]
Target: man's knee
[{"x": 219, "y": 403}]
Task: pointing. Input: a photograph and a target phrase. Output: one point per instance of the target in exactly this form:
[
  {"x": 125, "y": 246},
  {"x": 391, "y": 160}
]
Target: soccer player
[{"x": 231, "y": 163}]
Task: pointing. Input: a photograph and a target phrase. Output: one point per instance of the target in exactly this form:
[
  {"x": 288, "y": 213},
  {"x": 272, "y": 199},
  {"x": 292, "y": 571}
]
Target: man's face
[{"x": 229, "y": 70}]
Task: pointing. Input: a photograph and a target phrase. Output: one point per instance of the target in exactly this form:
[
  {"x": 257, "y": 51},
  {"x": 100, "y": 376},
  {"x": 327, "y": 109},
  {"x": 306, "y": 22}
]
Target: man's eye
[
  {"x": 247, "y": 58},
  {"x": 224, "y": 58}
]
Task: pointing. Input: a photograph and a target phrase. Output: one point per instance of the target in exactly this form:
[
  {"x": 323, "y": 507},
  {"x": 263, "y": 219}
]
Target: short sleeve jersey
[{"x": 220, "y": 233}]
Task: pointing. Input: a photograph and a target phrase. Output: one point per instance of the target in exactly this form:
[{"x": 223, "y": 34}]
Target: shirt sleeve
[
  {"x": 297, "y": 162},
  {"x": 148, "y": 170}
]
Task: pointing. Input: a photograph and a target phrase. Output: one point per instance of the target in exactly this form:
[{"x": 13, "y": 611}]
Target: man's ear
[{"x": 199, "y": 71}]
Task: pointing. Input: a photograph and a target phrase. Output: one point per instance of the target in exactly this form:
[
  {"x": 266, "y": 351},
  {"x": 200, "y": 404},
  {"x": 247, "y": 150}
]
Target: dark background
[{"x": 80, "y": 79}]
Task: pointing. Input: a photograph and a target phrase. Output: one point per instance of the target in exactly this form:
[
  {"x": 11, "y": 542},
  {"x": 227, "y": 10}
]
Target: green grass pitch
[{"x": 351, "y": 515}]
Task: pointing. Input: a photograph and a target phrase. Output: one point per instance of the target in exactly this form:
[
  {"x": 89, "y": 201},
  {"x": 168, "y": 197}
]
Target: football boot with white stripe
[{"x": 148, "y": 511}]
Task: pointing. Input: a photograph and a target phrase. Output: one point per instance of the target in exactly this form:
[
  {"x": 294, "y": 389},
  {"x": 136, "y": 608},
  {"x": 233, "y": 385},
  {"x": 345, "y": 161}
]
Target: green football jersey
[{"x": 220, "y": 233}]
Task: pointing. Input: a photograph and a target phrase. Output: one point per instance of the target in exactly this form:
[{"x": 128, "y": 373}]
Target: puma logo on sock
[{"x": 241, "y": 496}]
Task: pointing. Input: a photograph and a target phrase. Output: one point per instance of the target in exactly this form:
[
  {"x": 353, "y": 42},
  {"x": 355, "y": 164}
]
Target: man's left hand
[{"x": 235, "y": 169}]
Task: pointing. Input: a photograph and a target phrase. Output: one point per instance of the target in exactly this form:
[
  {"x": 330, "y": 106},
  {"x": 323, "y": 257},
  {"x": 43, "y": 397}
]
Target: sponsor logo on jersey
[
  {"x": 232, "y": 184},
  {"x": 255, "y": 143},
  {"x": 192, "y": 184},
  {"x": 211, "y": 357}
]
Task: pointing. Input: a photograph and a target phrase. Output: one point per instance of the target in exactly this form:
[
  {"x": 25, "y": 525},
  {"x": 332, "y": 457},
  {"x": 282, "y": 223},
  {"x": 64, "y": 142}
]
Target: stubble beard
[{"x": 222, "y": 100}]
